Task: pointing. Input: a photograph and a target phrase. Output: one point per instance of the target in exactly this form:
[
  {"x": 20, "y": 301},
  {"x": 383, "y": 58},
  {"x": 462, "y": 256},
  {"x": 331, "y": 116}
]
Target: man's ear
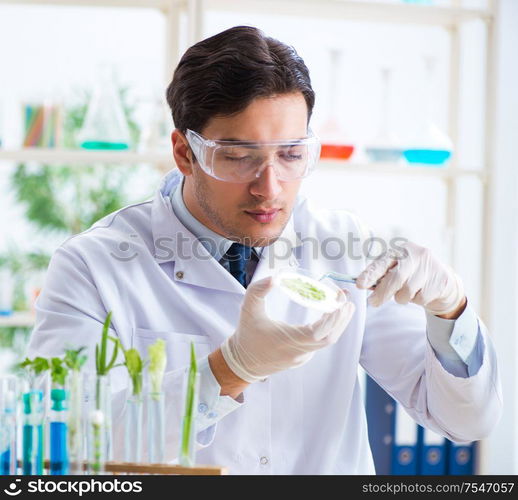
[{"x": 182, "y": 152}]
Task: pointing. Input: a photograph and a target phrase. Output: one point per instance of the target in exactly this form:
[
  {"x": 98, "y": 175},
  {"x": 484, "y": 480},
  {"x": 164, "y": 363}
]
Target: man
[{"x": 194, "y": 264}]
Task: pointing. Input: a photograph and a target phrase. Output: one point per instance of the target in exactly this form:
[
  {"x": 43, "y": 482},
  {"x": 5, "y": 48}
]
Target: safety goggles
[{"x": 244, "y": 161}]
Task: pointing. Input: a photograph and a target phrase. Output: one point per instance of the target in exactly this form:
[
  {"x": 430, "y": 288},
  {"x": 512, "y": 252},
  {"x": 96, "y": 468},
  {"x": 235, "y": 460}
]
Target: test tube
[
  {"x": 8, "y": 435},
  {"x": 59, "y": 461}
]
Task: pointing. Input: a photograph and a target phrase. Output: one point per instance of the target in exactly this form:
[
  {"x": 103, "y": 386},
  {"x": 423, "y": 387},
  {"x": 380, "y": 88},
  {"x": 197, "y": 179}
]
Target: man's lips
[{"x": 263, "y": 215}]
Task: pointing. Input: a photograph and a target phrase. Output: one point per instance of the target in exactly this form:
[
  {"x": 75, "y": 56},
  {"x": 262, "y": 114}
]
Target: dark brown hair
[{"x": 221, "y": 75}]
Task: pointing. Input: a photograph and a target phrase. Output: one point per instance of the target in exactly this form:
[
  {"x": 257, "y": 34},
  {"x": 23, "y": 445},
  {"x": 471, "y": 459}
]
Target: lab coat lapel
[{"x": 172, "y": 241}]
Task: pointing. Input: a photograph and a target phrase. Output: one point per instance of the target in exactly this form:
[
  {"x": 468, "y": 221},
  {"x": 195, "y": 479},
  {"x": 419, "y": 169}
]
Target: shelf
[
  {"x": 18, "y": 319},
  {"x": 371, "y": 11},
  {"x": 80, "y": 156},
  {"x": 154, "y": 4},
  {"x": 399, "y": 169}
]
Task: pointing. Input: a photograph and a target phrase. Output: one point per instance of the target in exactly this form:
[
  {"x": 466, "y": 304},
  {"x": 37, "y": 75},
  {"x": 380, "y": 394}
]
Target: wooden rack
[{"x": 162, "y": 469}]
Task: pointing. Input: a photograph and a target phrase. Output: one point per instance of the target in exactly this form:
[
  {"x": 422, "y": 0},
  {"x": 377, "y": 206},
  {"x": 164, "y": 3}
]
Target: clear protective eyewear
[{"x": 244, "y": 161}]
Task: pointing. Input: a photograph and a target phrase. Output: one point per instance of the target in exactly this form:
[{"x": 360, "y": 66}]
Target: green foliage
[
  {"x": 37, "y": 365},
  {"x": 135, "y": 366},
  {"x": 101, "y": 350},
  {"x": 189, "y": 404},
  {"x": 157, "y": 363},
  {"x": 73, "y": 359},
  {"x": 58, "y": 371}
]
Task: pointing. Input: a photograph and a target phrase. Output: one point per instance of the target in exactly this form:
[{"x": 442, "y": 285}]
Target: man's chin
[{"x": 263, "y": 236}]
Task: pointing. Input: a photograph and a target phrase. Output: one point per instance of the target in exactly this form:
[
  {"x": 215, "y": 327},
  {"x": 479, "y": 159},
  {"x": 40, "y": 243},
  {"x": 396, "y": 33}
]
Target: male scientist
[{"x": 279, "y": 390}]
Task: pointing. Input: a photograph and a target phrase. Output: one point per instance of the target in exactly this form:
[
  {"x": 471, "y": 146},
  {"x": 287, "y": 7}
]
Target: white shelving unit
[
  {"x": 450, "y": 18},
  {"x": 18, "y": 319}
]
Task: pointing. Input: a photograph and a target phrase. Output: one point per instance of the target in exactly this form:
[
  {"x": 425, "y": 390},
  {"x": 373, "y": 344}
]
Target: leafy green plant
[
  {"x": 58, "y": 371},
  {"x": 157, "y": 363},
  {"x": 101, "y": 350},
  {"x": 189, "y": 405},
  {"x": 73, "y": 359},
  {"x": 37, "y": 365}
]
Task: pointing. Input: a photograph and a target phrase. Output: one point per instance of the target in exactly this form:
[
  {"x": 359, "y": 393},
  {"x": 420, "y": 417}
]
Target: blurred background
[{"x": 417, "y": 110}]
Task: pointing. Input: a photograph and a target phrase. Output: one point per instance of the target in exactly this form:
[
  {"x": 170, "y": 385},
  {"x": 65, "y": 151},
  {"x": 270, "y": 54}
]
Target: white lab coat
[{"x": 308, "y": 420}]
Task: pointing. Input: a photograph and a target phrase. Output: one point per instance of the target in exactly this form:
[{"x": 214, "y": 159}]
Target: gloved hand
[
  {"x": 413, "y": 275},
  {"x": 261, "y": 346}
]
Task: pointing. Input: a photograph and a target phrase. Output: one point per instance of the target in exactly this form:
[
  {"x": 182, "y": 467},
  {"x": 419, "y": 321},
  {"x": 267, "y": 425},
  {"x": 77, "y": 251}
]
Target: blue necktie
[{"x": 238, "y": 256}]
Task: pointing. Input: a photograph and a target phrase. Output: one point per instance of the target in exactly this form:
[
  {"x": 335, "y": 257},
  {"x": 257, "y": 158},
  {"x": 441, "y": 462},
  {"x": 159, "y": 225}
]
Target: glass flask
[
  {"x": 105, "y": 125},
  {"x": 430, "y": 146},
  {"x": 386, "y": 146},
  {"x": 332, "y": 136}
]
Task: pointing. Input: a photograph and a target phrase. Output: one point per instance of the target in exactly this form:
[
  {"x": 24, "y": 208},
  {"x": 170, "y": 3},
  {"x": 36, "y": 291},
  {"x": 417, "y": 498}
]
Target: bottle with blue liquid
[
  {"x": 8, "y": 435},
  {"x": 430, "y": 146},
  {"x": 59, "y": 459}
]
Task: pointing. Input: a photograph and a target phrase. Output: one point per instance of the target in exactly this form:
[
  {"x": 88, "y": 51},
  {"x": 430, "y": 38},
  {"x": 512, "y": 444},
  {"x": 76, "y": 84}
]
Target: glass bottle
[
  {"x": 431, "y": 146},
  {"x": 105, "y": 125},
  {"x": 385, "y": 147},
  {"x": 331, "y": 133}
]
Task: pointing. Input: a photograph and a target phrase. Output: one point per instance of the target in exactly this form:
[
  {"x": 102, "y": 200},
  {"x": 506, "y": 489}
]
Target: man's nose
[{"x": 267, "y": 185}]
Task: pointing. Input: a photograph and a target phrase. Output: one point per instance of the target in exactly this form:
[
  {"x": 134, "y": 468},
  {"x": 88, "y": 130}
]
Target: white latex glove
[
  {"x": 261, "y": 346},
  {"x": 413, "y": 275}
]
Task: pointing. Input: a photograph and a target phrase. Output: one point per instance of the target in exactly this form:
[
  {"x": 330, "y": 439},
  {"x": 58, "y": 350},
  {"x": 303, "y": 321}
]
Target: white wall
[{"x": 501, "y": 455}]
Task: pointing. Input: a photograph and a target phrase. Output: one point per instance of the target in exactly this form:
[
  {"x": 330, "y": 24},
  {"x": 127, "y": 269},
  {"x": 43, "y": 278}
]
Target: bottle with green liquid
[{"x": 105, "y": 126}]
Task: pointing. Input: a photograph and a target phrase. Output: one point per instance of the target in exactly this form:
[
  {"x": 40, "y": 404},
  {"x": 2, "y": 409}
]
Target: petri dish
[{"x": 306, "y": 289}]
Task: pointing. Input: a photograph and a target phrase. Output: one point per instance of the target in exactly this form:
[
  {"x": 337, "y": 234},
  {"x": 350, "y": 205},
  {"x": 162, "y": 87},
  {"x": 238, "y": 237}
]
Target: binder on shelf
[
  {"x": 380, "y": 408},
  {"x": 461, "y": 459},
  {"x": 433, "y": 451},
  {"x": 405, "y": 455}
]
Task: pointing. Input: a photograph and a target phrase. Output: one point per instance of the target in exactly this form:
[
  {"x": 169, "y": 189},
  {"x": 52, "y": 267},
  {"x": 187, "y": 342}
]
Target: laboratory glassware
[
  {"x": 33, "y": 431},
  {"x": 386, "y": 146},
  {"x": 99, "y": 423},
  {"x": 76, "y": 427},
  {"x": 133, "y": 424},
  {"x": 431, "y": 146},
  {"x": 188, "y": 435},
  {"x": 59, "y": 429},
  {"x": 332, "y": 136},
  {"x": 105, "y": 126},
  {"x": 8, "y": 428}
]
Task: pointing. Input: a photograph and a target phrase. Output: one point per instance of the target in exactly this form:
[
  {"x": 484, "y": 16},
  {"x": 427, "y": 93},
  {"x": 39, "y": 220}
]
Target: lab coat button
[
  {"x": 212, "y": 414},
  {"x": 179, "y": 275},
  {"x": 264, "y": 460},
  {"x": 202, "y": 408}
]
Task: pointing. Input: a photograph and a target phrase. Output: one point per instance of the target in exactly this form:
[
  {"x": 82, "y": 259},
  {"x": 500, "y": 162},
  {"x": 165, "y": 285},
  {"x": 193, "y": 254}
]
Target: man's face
[{"x": 255, "y": 212}]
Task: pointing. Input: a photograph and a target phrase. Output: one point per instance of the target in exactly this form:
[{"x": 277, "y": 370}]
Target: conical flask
[
  {"x": 332, "y": 136},
  {"x": 431, "y": 146},
  {"x": 386, "y": 146},
  {"x": 105, "y": 126}
]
